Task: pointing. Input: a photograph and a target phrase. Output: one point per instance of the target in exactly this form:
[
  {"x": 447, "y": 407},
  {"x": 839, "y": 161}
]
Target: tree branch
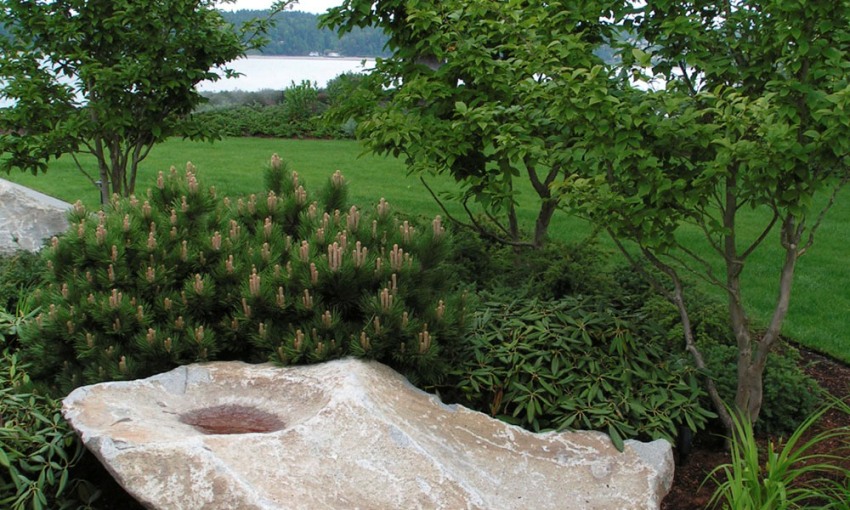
[
  {"x": 495, "y": 221},
  {"x": 761, "y": 237},
  {"x": 676, "y": 297},
  {"x": 821, "y": 215},
  {"x": 708, "y": 276},
  {"x": 690, "y": 342},
  {"x": 83, "y": 170},
  {"x": 653, "y": 282},
  {"x": 715, "y": 245},
  {"x": 475, "y": 226},
  {"x": 786, "y": 280},
  {"x": 691, "y": 88},
  {"x": 542, "y": 188}
]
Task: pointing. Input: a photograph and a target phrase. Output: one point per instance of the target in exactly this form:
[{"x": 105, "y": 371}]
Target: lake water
[{"x": 279, "y": 72}]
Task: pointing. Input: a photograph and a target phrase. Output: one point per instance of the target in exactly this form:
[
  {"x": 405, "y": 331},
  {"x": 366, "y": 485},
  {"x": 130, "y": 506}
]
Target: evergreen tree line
[{"x": 297, "y": 34}]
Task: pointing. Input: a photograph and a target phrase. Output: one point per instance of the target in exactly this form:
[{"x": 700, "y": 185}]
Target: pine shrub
[{"x": 183, "y": 275}]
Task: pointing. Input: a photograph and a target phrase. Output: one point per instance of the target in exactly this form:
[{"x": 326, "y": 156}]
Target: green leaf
[
  {"x": 616, "y": 439},
  {"x": 643, "y": 59}
]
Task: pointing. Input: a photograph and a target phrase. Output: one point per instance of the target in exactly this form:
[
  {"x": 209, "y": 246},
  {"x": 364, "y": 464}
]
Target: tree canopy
[
  {"x": 752, "y": 114},
  {"x": 107, "y": 77},
  {"x": 749, "y": 110},
  {"x": 492, "y": 93}
]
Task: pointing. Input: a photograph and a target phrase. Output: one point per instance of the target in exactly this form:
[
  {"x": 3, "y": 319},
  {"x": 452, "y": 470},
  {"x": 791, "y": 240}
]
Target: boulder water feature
[{"x": 343, "y": 434}]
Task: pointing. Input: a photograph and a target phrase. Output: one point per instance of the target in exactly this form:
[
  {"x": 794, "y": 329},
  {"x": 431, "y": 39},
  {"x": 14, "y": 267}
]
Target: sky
[{"x": 314, "y": 6}]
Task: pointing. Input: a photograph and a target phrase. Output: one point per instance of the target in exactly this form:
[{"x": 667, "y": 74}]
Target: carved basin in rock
[
  {"x": 345, "y": 434},
  {"x": 232, "y": 419}
]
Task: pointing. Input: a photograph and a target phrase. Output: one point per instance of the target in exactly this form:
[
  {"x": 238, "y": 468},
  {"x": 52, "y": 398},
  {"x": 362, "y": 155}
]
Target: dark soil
[{"x": 689, "y": 492}]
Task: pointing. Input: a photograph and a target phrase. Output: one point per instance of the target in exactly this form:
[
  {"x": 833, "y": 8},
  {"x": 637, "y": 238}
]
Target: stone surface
[
  {"x": 28, "y": 217},
  {"x": 346, "y": 434}
]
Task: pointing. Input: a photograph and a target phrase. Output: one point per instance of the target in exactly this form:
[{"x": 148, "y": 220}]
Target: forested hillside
[{"x": 296, "y": 33}]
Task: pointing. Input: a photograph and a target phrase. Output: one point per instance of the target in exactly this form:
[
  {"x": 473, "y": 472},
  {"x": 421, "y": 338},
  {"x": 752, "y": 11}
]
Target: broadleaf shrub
[
  {"x": 295, "y": 112},
  {"x": 19, "y": 273},
  {"x": 789, "y": 394},
  {"x": 346, "y": 89},
  {"x": 558, "y": 270},
  {"x": 573, "y": 363},
  {"x": 183, "y": 275},
  {"x": 11, "y": 325},
  {"x": 37, "y": 447}
]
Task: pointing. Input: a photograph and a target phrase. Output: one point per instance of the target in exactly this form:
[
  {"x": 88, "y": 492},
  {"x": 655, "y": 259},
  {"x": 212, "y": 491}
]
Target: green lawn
[{"x": 820, "y": 307}]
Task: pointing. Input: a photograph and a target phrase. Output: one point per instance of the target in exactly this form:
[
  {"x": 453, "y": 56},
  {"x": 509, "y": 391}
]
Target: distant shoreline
[
  {"x": 276, "y": 72},
  {"x": 296, "y": 57}
]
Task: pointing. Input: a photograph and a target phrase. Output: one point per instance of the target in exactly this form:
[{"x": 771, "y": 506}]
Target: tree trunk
[
  {"x": 118, "y": 168},
  {"x": 103, "y": 171},
  {"x": 749, "y": 391},
  {"x": 751, "y": 363},
  {"x": 513, "y": 224},
  {"x": 548, "y": 204},
  {"x": 678, "y": 299},
  {"x": 104, "y": 183},
  {"x": 544, "y": 217}
]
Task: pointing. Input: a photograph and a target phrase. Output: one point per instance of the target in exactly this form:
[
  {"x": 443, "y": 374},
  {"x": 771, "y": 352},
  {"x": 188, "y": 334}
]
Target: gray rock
[
  {"x": 28, "y": 217},
  {"x": 345, "y": 434}
]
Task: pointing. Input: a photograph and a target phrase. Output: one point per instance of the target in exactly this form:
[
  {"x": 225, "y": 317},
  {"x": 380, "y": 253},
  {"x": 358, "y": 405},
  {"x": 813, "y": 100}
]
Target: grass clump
[{"x": 792, "y": 474}]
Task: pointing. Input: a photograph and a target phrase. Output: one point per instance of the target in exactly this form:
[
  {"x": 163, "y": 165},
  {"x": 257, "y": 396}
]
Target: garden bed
[{"x": 689, "y": 493}]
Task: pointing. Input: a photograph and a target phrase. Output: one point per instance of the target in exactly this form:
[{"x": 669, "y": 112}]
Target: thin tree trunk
[
  {"x": 749, "y": 391},
  {"x": 117, "y": 168},
  {"x": 678, "y": 299},
  {"x": 513, "y": 224},
  {"x": 103, "y": 171},
  {"x": 136, "y": 158},
  {"x": 544, "y": 217},
  {"x": 750, "y": 394}
]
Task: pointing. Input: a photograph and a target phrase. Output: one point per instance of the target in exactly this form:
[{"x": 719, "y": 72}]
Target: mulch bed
[{"x": 689, "y": 492}]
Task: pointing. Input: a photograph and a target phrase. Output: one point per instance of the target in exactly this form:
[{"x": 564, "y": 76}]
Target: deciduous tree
[
  {"x": 110, "y": 78},
  {"x": 495, "y": 94},
  {"x": 754, "y": 115}
]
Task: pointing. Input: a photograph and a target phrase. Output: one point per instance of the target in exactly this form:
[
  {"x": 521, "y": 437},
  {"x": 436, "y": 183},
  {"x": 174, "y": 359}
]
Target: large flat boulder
[
  {"x": 28, "y": 217},
  {"x": 343, "y": 435}
]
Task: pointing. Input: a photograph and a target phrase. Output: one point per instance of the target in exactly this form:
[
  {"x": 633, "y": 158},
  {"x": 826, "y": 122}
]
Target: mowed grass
[{"x": 819, "y": 316}]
